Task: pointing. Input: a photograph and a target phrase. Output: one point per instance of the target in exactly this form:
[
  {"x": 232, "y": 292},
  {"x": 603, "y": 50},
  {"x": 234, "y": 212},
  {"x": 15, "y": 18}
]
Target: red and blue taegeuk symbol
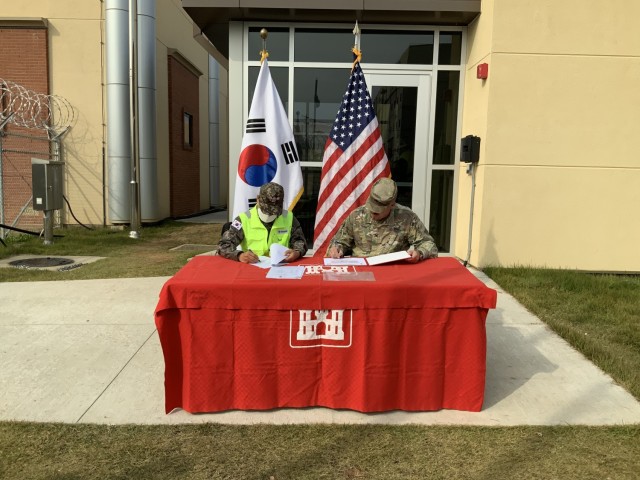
[{"x": 257, "y": 165}]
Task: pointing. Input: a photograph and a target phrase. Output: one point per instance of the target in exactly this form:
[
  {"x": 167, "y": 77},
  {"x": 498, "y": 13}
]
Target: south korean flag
[{"x": 268, "y": 152}]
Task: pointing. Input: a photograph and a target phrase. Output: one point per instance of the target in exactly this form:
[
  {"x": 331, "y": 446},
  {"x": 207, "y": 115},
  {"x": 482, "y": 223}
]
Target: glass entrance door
[{"x": 402, "y": 103}]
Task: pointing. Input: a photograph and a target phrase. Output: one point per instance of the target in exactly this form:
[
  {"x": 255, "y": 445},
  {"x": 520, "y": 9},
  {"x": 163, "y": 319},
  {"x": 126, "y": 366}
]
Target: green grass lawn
[
  {"x": 148, "y": 256},
  {"x": 46, "y": 451},
  {"x": 598, "y": 314}
]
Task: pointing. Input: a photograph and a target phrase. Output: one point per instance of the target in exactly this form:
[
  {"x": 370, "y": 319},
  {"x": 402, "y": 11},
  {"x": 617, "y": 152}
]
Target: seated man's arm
[
  {"x": 343, "y": 240},
  {"x": 421, "y": 241},
  {"x": 297, "y": 241},
  {"x": 228, "y": 244}
]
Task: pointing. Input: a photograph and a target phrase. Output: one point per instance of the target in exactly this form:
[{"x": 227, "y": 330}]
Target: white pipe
[
  {"x": 118, "y": 125},
  {"x": 147, "y": 109},
  {"x": 118, "y": 110}
]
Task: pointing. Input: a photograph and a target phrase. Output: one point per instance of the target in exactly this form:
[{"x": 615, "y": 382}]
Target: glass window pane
[
  {"x": 446, "y": 121},
  {"x": 280, "y": 76},
  {"x": 450, "y": 50},
  {"x": 277, "y": 43},
  {"x": 441, "y": 208},
  {"x": 305, "y": 209},
  {"x": 397, "y": 46},
  {"x": 323, "y": 45},
  {"x": 187, "y": 129},
  {"x": 396, "y": 109},
  {"x": 317, "y": 96},
  {"x": 378, "y": 46}
]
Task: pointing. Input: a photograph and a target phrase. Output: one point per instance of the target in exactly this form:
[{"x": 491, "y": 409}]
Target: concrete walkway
[{"x": 87, "y": 351}]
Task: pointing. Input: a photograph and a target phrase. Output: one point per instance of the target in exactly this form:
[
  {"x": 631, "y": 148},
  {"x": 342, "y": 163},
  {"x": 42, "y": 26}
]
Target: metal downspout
[
  {"x": 214, "y": 133},
  {"x": 473, "y": 167},
  {"x": 134, "y": 178}
]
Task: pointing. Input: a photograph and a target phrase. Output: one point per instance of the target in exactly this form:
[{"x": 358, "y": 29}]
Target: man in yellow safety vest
[{"x": 263, "y": 225}]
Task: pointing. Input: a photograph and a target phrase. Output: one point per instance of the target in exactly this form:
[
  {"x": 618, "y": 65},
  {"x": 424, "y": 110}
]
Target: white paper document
[
  {"x": 291, "y": 273},
  {"x": 276, "y": 257},
  {"x": 345, "y": 261},
  {"x": 276, "y": 252},
  {"x": 388, "y": 257},
  {"x": 265, "y": 262}
]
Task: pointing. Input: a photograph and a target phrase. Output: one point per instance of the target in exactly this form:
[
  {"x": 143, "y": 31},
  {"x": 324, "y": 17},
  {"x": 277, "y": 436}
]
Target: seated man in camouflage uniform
[
  {"x": 263, "y": 225},
  {"x": 382, "y": 226}
]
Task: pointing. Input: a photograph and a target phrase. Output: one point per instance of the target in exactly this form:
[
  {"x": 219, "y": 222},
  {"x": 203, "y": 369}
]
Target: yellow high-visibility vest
[{"x": 255, "y": 233}]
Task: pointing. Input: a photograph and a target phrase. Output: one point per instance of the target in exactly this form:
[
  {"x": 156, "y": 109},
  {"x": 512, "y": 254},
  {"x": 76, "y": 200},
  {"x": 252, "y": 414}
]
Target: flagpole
[
  {"x": 346, "y": 174},
  {"x": 264, "y": 33},
  {"x": 357, "y": 54}
]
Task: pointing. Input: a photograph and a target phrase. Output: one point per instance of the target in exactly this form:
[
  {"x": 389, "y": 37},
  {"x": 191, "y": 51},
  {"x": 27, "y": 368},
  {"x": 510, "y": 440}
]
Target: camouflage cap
[
  {"x": 383, "y": 193},
  {"x": 271, "y": 198}
]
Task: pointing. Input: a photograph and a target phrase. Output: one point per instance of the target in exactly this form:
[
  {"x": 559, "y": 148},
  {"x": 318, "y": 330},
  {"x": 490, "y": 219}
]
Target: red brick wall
[
  {"x": 184, "y": 161},
  {"x": 23, "y": 60}
]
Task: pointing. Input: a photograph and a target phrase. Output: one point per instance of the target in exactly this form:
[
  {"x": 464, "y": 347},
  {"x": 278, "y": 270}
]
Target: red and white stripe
[{"x": 345, "y": 181}]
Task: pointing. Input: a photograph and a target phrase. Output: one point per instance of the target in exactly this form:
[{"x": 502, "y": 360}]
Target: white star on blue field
[{"x": 355, "y": 113}]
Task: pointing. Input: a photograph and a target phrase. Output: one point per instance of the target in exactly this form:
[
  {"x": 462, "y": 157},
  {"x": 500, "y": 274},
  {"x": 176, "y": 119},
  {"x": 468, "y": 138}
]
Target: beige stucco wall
[
  {"x": 557, "y": 185},
  {"x": 474, "y": 122},
  {"x": 76, "y": 62},
  {"x": 75, "y": 73}
]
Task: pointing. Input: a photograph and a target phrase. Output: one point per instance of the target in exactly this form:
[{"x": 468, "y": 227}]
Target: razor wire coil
[{"x": 26, "y": 108}]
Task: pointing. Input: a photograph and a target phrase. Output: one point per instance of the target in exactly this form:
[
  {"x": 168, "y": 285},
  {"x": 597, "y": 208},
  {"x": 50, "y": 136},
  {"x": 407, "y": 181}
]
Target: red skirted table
[{"x": 413, "y": 339}]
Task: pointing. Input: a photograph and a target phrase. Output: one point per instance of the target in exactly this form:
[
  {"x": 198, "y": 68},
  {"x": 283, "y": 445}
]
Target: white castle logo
[
  {"x": 318, "y": 269},
  {"x": 330, "y": 320}
]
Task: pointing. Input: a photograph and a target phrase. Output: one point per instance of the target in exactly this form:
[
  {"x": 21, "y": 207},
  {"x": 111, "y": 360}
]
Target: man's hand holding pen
[{"x": 248, "y": 257}]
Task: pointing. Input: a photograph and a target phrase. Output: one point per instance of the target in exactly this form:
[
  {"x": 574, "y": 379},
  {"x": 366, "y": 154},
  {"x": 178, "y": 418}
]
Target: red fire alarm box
[{"x": 483, "y": 71}]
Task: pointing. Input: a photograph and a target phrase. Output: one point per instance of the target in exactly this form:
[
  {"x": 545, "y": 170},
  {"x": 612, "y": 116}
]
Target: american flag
[{"x": 353, "y": 160}]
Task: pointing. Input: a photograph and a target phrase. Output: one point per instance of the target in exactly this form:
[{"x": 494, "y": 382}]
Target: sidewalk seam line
[{"x": 116, "y": 376}]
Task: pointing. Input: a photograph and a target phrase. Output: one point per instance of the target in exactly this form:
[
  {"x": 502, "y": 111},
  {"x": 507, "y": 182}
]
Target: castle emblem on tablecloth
[
  {"x": 320, "y": 328},
  {"x": 320, "y": 324}
]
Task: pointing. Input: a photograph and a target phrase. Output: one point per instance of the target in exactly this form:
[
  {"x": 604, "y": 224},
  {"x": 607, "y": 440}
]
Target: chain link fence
[{"x": 31, "y": 126}]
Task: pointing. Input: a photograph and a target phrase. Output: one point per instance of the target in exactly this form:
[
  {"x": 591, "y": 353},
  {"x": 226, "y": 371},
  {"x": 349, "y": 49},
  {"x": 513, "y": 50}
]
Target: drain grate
[{"x": 41, "y": 262}]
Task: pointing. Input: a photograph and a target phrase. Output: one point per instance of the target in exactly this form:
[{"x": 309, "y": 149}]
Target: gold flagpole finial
[{"x": 264, "y": 33}]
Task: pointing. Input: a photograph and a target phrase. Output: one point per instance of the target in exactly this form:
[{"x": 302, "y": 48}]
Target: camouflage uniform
[
  {"x": 270, "y": 198},
  {"x": 362, "y": 236}
]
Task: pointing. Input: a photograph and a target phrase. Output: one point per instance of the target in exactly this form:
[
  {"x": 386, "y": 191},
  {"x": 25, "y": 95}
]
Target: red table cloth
[{"x": 413, "y": 339}]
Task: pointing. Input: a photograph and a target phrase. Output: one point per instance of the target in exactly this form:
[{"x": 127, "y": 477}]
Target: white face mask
[{"x": 266, "y": 218}]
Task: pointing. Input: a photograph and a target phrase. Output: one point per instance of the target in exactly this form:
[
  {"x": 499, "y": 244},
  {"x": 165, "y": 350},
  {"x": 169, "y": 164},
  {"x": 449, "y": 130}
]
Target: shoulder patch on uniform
[{"x": 237, "y": 224}]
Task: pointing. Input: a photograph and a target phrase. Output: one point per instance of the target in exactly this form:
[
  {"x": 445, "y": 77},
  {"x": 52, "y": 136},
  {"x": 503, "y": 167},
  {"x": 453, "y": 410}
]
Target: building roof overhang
[
  {"x": 212, "y": 17},
  {"x": 23, "y": 22}
]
